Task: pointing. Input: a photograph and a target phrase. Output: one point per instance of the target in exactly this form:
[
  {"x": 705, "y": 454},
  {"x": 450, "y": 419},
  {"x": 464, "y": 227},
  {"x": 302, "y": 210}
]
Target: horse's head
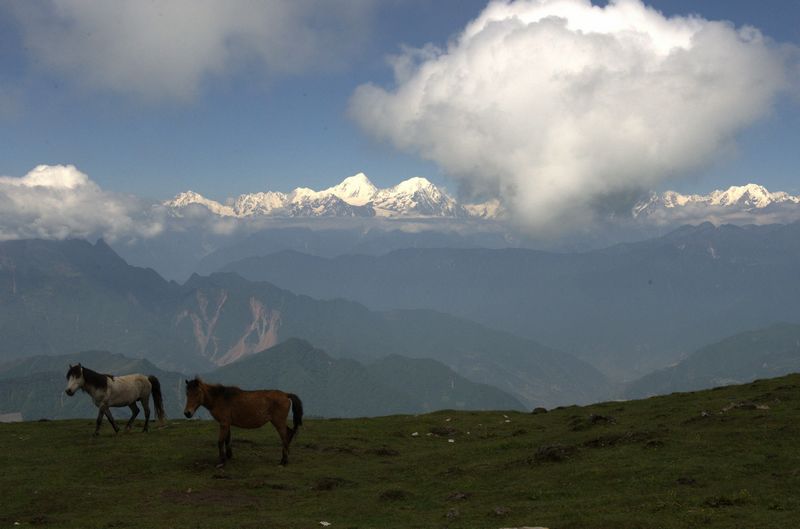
[
  {"x": 194, "y": 397},
  {"x": 74, "y": 379}
]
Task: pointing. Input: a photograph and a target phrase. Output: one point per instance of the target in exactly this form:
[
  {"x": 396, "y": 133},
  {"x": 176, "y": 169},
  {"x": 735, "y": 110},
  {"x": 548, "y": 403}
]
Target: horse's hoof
[{"x": 220, "y": 465}]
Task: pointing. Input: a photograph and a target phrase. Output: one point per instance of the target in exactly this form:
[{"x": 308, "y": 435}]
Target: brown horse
[{"x": 231, "y": 406}]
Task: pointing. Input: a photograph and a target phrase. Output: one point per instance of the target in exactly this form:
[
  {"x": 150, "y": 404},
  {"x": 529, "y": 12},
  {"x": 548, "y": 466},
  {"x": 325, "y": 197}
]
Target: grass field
[{"x": 722, "y": 458}]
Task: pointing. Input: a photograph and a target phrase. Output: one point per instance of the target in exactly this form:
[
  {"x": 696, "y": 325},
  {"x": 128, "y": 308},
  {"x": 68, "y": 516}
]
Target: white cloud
[
  {"x": 59, "y": 201},
  {"x": 166, "y": 49},
  {"x": 563, "y": 109}
]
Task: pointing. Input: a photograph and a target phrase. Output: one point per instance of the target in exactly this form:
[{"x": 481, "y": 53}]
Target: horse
[
  {"x": 232, "y": 406},
  {"x": 116, "y": 391}
]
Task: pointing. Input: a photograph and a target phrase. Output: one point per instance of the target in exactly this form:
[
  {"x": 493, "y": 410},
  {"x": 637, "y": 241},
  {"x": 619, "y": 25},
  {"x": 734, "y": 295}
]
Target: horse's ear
[
  {"x": 70, "y": 366},
  {"x": 187, "y": 382}
]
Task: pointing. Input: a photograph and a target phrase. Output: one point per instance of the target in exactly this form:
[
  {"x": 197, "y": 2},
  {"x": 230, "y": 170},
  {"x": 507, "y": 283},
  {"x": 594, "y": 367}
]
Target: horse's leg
[
  {"x": 228, "y": 450},
  {"x": 284, "y": 433},
  {"x": 134, "y": 412},
  {"x": 224, "y": 433},
  {"x": 99, "y": 421},
  {"x": 110, "y": 418},
  {"x": 146, "y": 407}
]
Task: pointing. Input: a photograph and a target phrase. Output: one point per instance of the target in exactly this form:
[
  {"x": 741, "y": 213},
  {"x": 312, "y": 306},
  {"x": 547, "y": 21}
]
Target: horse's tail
[
  {"x": 297, "y": 411},
  {"x": 157, "y": 398}
]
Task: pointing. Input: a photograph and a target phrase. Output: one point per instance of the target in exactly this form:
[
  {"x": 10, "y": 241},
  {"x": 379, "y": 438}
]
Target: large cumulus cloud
[
  {"x": 167, "y": 49},
  {"x": 564, "y": 109},
  {"x": 59, "y": 201}
]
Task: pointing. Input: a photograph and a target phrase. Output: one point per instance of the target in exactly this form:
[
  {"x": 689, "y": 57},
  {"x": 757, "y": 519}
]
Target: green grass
[{"x": 660, "y": 463}]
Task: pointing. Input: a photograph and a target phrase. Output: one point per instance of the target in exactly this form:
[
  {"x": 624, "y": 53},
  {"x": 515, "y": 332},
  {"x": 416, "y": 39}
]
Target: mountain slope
[
  {"x": 339, "y": 387},
  {"x": 537, "y": 374},
  {"x": 61, "y": 296},
  {"x": 630, "y": 308},
  {"x": 747, "y": 356}
]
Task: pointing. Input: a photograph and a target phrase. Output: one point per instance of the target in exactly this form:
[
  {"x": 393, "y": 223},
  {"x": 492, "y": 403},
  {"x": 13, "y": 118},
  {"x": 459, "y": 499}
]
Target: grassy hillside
[
  {"x": 763, "y": 353},
  {"x": 725, "y": 458}
]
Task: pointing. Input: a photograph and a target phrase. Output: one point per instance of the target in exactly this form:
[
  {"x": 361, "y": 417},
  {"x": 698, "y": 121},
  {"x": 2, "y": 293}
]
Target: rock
[
  {"x": 601, "y": 419},
  {"x": 539, "y": 411},
  {"x": 459, "y": 496},
  {"x": 553, "y": 453},
  {"x": 500, "y": 511}
]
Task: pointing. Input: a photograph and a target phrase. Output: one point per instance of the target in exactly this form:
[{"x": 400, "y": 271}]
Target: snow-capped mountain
[
  {"x": 416, "y": 197},
  {"x": 750, "y": 197},
  {"x": 188, "y": 198},
  {"x": 355, "y": 196}
]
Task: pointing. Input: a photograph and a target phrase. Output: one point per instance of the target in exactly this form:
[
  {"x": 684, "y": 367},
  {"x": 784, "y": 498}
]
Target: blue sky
[{"x": 258, "y": 125}]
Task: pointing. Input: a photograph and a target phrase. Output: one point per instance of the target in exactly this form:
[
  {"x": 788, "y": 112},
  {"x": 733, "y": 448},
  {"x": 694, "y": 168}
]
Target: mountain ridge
[{"x": 355, "y": 196}]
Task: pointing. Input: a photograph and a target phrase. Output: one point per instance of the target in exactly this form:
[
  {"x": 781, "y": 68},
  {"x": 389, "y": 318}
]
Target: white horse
[{"x": 109, "y": 391}]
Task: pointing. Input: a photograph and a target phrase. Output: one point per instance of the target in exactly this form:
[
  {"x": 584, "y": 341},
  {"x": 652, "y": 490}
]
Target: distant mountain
[
  {"x": 630, "y": 308},
  {"x": 748, "y": 197},
  {"x": 336, "y": 242},
  {"x": 35, "y": 386},
  {"x": 744, "y": 357},
  {"x": 355, "y": 196},
  {"x": 336, "y": 387},
  {"x": 227, "y": 318},
  {"x": 62, "y": 296},
  {"x": 57, "y": 297}
]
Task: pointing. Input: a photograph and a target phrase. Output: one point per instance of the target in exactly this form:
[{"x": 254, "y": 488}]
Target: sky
[{"x": 225, "y": 98}]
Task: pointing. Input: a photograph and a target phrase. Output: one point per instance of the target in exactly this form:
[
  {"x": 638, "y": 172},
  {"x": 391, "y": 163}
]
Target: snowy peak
[
  {"x": 748, "y": 197},
  {"x": 188, "y": 198},
  {"x": 259, "y": 203},
  {"x": 416, "y": 197},
  {"x": 355, "y": 196},
  {"x": 356, "y": 190}
]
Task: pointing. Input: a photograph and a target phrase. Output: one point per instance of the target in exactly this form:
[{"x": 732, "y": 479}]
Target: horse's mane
[
  {"x": 95, "y": 379},
  {"x": 219, "y": 391},
  {"x": 215, "y": 391}
]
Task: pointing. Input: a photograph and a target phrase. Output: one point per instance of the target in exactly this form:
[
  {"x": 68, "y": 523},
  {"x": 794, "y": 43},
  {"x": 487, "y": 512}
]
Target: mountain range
[
  {"x": 57, "y": 297},
  {"x": 748, "y": 197},
  {"x": 355, "y": 196},
  {"x": 628, "y": 309},
  {"x": 417, "y": 197}
]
